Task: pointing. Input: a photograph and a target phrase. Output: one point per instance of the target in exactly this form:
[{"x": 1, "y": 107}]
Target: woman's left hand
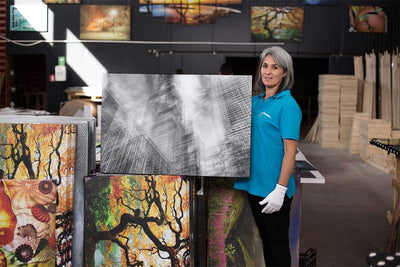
[{"x": 274, "y": 200}]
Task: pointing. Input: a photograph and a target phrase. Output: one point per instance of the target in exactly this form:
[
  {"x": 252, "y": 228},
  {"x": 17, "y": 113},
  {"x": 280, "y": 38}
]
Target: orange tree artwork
[
  {"x": 277, "y": 24},
  {"x": 137, "y": 221}
]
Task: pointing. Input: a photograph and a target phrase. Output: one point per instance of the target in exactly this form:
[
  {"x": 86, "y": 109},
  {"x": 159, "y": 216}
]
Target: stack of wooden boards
[
  {"x": 354, "y": 109},
  {"x": 396, "y": 89},
  {"x": 337, "y": 102}
]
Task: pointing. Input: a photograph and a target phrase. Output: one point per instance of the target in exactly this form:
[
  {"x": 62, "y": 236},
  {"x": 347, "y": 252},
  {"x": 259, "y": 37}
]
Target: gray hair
[{"x": 284, "y": 60}]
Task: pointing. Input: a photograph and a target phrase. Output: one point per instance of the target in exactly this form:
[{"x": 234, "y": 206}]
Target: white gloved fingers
[
  {"x": 270, "y": 208},
  {"x": 264, "y": 201},
  {"x": 274, "y": 200},
  {"x": 267, "y": 210}
]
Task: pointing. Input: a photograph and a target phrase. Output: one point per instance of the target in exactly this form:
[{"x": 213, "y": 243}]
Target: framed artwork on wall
[
  {"x": 62, "y": 1},
  {"x": 100, "y": 22},
  {"x": 284, "y": 24},
  {"x": 28, "y": 18},
  {"x": 319, "y": 2},
  {"x": 190, "y": 12},
  {"x": 367, "y": 19}
]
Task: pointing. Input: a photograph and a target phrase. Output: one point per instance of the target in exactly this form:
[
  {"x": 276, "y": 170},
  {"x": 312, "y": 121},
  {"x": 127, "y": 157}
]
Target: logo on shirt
[{"x": 265, "y": 114}]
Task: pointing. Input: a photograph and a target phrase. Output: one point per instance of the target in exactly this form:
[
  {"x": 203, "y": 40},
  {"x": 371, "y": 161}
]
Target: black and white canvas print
[{"x": 196, "y": 125}]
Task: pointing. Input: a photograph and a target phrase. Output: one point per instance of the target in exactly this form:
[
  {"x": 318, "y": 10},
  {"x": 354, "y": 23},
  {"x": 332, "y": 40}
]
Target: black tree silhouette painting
[
  {"x": 277, "y": 24},
  {"x": 137, "y": 221},
  {"x": 30, "y": 151}
]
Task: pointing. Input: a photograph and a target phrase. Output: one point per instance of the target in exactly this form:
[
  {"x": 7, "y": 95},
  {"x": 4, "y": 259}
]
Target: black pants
[{"x": 274, "y": 231}]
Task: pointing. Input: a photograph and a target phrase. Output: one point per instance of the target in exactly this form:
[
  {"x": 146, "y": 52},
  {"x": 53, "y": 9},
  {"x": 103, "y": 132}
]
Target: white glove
[{"x": 274, "y": 199}]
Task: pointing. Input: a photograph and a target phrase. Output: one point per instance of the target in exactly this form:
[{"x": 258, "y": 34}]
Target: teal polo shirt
[{"x": 272, "y": 120}]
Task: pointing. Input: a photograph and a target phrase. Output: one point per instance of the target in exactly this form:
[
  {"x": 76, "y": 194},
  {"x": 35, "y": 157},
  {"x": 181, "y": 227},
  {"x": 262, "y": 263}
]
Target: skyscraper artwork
[{"x": 196, "y": 125}]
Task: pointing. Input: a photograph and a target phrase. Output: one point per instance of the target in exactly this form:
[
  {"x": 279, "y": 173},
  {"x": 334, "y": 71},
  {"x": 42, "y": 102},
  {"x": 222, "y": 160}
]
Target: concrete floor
[{"x": 345, "y": 218}]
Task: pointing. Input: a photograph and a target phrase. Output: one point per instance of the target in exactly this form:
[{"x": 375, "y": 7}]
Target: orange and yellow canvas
[
  {"x": 137, "y": 221},
  {"x": 45, "y": 154},
  {"x": 62, "y": 1},
  {"x": 283, "y": 24},
  {"x": 103, "y": 22},
  {"x": 190, "y": 12}
]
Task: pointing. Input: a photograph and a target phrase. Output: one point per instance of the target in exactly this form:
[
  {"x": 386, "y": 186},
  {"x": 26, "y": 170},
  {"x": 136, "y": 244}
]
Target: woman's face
[{"x": 271, "y": 73}]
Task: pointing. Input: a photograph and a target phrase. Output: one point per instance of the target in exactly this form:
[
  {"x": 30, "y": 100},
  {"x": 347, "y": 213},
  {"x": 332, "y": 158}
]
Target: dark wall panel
[{"x": 325, "y": 35}]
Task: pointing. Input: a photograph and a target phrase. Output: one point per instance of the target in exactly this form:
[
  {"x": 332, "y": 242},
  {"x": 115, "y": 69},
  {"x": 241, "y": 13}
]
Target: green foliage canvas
[{"x": 137, "y": 220}]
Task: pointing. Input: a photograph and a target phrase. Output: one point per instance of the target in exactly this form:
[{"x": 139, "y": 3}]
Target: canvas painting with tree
[
  {"x": 102, "y": 22},
  {"x": 283, "y": 24},
  {"x": 137, "y": 221},
  {"x": 190, "y": 12},
  {"x": 43, "y": 152}
]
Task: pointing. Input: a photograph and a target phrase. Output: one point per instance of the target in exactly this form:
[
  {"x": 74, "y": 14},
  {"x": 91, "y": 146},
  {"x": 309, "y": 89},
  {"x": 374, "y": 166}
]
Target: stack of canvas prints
[
  {"x": 37, "y": 168},
  {"x": 195, "y": 125},
  {"x": 137, "y": 221},
  {"x": 84, "y": 164}
]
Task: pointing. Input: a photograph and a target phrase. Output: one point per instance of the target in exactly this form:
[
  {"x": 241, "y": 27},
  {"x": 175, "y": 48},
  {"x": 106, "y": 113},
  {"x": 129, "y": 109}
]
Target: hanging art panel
[
  {"x": 62, "y": 1},
  {"x": 138, "y": 221},
  {"x": 195, "y": 125},
  {"x": 370, "y": 19},
  {"x": 43, "y": 152},
  {"x": 104, "y": 22},
  {"x": 193, "y": 12},
  {"x": 284, "y": 24},
  {"x": 28, "y": 18}
]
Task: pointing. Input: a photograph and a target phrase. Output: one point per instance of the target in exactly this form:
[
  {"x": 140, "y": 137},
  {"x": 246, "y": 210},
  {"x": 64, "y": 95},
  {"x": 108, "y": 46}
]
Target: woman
[
  {"x": 367, "y": 19},
  {"x": 275, "y": 131}
]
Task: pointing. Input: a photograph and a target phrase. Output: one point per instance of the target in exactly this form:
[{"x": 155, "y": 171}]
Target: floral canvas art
[{"x": 27, "y": 222}]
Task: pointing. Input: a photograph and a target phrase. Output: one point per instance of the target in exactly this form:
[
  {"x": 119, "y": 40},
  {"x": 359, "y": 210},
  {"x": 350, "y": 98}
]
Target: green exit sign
[{"x": 61, "y": 61}]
